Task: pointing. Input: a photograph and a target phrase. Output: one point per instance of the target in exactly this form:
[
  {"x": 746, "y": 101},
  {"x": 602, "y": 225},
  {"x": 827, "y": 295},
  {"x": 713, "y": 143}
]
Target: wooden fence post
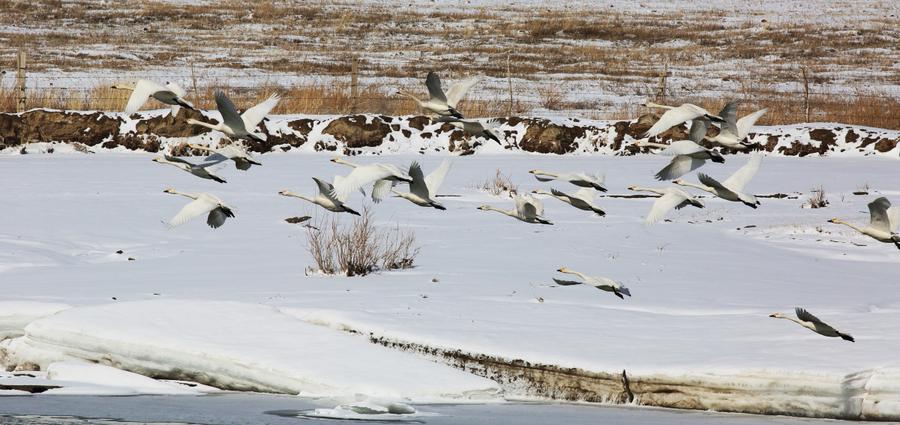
[
  {"x": 509, "y": 110},
  {"x": 805, "y": 92},
  {"x": 20, "y": 80},
  {"x": 196, "y": 95},
  {"x": 354, "y": 84},
  {"x": 661, "y": 91}
]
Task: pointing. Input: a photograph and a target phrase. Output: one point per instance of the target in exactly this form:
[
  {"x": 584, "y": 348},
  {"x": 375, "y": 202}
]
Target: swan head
[
  {"x": 634, "y": 187},
  {"x": 484, "y": 207},
  {"x": 534, "y": 171},
  {"x": 284, "y": 192},
  {"x": 835, "y": 221},
  {"x": 563, "y": 269},
  {"x": 123, "y": 86},
  {"x": 679, "y": 182},
  {"x": 778, "y": 315},
  {"x": 157, "y": 159},
  {"x": 170, "y": 190}
]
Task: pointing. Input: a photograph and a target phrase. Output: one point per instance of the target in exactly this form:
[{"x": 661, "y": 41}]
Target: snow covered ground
[{"x": 703, "y": 285}]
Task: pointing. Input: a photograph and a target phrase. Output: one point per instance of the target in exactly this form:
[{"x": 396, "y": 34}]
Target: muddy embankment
[
  {"x": 153, "y": 131},
  {"x": 866, "y": 395}
]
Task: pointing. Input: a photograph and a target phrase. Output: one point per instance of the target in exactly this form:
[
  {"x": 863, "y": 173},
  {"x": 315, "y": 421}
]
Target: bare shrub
[
  {"x": 817, "y": 199},
  {"x": 498, "y": 185},
  {"x": 359, "y": 248},
  {"x": 551, "y": 97}
]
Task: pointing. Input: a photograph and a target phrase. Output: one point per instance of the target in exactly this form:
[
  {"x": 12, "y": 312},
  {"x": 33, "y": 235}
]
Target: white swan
[
  {"x": 202, "y": 203},
  {"x": 423, "y": 189},
  {"x": 732, "y": 189},
  {"x": 598, "y": 282},
  {"x": 578, "y": 179},
  {"x": 670, "y": 197},
  {"x": 200, "y": 170},
  {"x": 475, "y": 128},
  {"x": 239, "y": 125},
  {"x": 324, "y": 199},
  {"x": 171, "y": 94},
  {"x": 583, "y": 199},
  {"x": 812, "y": 323},
  {"x": 240, "y": 156},
  {"x": 528, "y": 209},
  {"x": 688, "y": 156},
  {"x": 382, "y": 175},
  {"x": 438, "y": 102},
  {"x": 676, "y": 115},
  {"x": 733, "y": 131},
  {"x": 883, "y": 222}
]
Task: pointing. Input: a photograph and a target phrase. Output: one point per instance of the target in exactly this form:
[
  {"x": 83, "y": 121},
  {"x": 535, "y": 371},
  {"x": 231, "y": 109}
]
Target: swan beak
[
  {"x": 333, "y": 160},
  {"x": 773, "y": 315},
  {"x": 532, "y": 171},
  {"x": 833, "y": 220}
]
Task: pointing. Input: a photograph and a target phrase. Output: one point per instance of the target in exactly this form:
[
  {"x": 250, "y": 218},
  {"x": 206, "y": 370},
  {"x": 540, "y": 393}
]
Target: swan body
[
  {"x": 687, "y": 156},
  {"x": 731, "y": 189},
  {"x": 676, "y": 115},
  {"x": 528, "y": 209},
  {"x": 578, "y": 179},
  {"x": 602, "y": 283},
  {"x": 201, "y": 170},
  {"x": 583, "y": 199},
  {"x": 242, "y": 159},
  {"x": 475, "y": 128},
  {"x": 422, "y": 189},
  {"x": 670, "y": 197},
  {"x": 808, "y": 321},
  {"x": 239, "y": 125},
  {"x": 382, "y": 175},
  {"x": 323, "y": 199},
  {"x": 203, "y": 203},
  {"x": 883, "y": 222},
  {"x": 438, "y": 102},
  {"x": 734, "y": 131},
  {"x": 170, "y": 94}
]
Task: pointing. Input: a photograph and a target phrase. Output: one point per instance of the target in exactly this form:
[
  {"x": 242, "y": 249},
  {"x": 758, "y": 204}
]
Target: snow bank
[
  {"x": 237, "y": 346},
  {"x": 15, "y": 315}
]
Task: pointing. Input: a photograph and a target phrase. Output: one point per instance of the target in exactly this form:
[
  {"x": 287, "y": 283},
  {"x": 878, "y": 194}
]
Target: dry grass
[
  {"x": 498, "y": 185},
  {"x": 360, "y": 248},
  {"x": 817, "y": 199}
]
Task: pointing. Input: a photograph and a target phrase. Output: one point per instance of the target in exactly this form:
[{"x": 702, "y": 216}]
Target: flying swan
[
  {"x": 528, "y": 209},
  {"x": 670, "y": 197},
  {"x": 475, "y": 128},
  {"x": 423, "y": 189},
  {"x": 676, "y": 115},
  {"x": 598, "y": 282},
  {"x": 883, "y": 222},
  {"x": 171, "y": 94},
  {"x": 382, "y": 176},
  {"x": 201, "y": 170},
  {"x": 688, "y": 156},
  {"x": 202, "y": 203},
  {"x": 240, "y": 156},
  {"x": 323, "y": 199},
  {"x": 808, "y": 321},
  {"x": 732, "y": 189},
  {"x": 578, "y": 179},
  {"x": 733, "y": 131},
  {"x": 438, "y": 102},
  {"x": 583, "y": 199},
  {"x": 241, "y": 126}
]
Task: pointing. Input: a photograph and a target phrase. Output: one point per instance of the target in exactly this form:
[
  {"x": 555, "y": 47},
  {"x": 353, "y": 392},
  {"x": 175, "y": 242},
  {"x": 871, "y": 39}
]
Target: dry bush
[
  {"x": 817, "y": 199},
  {"x": 360, "y": 248},
  {"x": 551, "y": 97},
  {"x": 498, "y": 185}
]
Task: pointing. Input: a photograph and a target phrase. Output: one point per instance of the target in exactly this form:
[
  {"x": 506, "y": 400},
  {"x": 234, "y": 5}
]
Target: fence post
[
  {"x": 20, "y": 80},
  {"x": 354, "y": 84},
  {"x": 196, "y": 95},
  {"x": 509, "y": 82},
  {"x": 805, "y": 92}
]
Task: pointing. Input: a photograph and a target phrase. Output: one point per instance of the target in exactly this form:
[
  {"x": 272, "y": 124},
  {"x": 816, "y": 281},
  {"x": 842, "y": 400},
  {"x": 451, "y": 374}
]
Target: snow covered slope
[{"x": 703, "y": 284}]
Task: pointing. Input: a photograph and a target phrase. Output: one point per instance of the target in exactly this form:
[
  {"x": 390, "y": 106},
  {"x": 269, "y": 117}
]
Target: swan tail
[
  {"x": 217, "y": 178},
  {"x": 350, "y": 211},
  {"x": 846, "y": 337},
  {"x": 438, "y": 206},
  {"x": 543, "y": 221}
]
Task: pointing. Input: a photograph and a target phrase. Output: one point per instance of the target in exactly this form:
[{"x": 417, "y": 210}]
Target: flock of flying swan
[{"x": 382, "y": 179}]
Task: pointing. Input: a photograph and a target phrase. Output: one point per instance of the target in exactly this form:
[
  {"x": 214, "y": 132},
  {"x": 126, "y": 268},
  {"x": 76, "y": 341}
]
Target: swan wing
[
  {"x": 663, "y": 205},
  {"x": 671, "y": 118},
  {"x": 713, "y": 183},
  {"x": 418, "y": 185},
  {"x": 741, "y": 177},
  {"x": 878, "y": 211},
  {"x": 359, "y": 177},
  {"x": 894, "y": 216},
  {"x": 380, "y": 190},
  {"x": 435, "y": 179},
  {"x": 459, "y": 89},
  {"x": 586, "y": 194},
  {"x": 698, "y": 129},
  {"x": 561, "y": 282},
  {"x": 433, "y": 82},
  {"x": 253, "y": 116},
  {"x": 560, "y": 194},
  {"x": 142, "y": 91},
  {"x": 807, "y": 316},
  {"x": 682, "y": 147},
  {"x": 217, "y": 216},
  {"x": 176, "y": 159},
  {"x": 325, "y": 188},
  {"x": 528, "y": 207},
  {"x": 195, "y": 208},
  {"x": 229, "y": 112},
  {"x": 747, "y": 122},
  {"x": 729, "y": 114},
  {"x": 679, "y": 166}
]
